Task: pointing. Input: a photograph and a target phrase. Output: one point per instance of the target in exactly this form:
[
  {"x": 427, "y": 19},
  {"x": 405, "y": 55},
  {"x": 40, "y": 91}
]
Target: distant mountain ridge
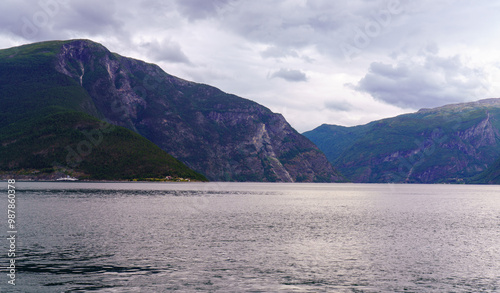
[
  {"x": 492, "y": 102},
  {"x": 452, "y": 143},
  {"x": 222, "y": 136}
]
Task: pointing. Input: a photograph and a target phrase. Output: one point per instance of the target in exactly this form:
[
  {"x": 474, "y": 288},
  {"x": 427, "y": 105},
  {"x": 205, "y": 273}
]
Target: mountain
[
  {"x": 453, "y": 143},
  {"x": 48, "y": 127},
  {"x": 220, "y": 135}
]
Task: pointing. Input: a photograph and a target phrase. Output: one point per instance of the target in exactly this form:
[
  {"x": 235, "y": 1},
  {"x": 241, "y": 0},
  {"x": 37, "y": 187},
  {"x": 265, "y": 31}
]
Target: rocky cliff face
[
  {"x": 223, "y": 136},
  {"x": 452, "y": 143}
]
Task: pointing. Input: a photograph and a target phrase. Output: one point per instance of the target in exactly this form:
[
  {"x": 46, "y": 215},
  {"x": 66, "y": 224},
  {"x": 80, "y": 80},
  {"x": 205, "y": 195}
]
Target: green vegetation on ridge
[{"x": 76, "y": 142}]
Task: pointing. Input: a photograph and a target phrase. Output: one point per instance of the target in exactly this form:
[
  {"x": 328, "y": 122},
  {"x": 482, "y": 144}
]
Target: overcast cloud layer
[{"x": 314, "y": 61}]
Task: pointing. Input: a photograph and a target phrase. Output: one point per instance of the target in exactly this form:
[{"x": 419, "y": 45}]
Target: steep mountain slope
[
  {"x": 452, "y": 143},
  {"x": 45, "y": 134},
  {"x": 222, "y": 136}
]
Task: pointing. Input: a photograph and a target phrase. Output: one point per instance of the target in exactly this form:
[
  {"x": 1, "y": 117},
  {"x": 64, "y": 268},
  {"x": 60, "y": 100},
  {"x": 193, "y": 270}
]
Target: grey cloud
[
  {"x": 325, "y": 25},
  {"x": 325, "y": 22},
  {"x": 432, "y": 48},
  {"x": 270, "y": 22},
  {"x": 341, "y": 106},
  {"x": 12, "y": 14},
  {"x": 389, "y": 71},
  {"x": 23, "y": 20},
  {"x": 92, "y": 17},
  {"x": 61, "y": 19},
  {"x": 165, "y": 51},
  {"x": 286, "y": 27},
  {"x": 277, "y": 52},
  {"x": 199, "y": 9},
  {"x": 290, "y": 75},
  {"x": 434, "y": 82}
]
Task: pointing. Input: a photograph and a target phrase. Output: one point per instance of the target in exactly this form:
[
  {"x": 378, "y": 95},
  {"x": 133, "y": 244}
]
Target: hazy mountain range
[{"x": 453, "y": 143}]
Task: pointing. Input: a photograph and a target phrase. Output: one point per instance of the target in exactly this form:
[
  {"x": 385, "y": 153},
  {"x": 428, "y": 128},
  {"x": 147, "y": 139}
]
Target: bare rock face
[
  {"x": 482, "y": 134},
  {"x": 223, "y": 136}
]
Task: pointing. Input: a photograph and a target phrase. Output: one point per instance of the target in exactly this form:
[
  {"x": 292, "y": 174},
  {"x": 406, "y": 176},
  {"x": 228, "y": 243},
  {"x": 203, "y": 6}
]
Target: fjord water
[{"x": 254, "y": 237}]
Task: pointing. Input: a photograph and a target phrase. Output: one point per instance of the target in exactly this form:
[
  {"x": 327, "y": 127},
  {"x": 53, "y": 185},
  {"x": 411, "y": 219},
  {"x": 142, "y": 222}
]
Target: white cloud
[
  {"x": 166, "y": 50},
  {"x": 336, "y": 105}
]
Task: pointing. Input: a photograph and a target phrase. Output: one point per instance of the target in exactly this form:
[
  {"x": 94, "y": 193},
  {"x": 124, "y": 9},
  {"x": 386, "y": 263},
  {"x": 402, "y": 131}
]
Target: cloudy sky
[{"x": 314, "y": 61}]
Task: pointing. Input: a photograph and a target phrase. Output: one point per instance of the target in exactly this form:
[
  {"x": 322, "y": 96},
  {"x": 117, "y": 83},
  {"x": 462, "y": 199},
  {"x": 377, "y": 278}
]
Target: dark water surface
[{"x": 252, "y": 237}]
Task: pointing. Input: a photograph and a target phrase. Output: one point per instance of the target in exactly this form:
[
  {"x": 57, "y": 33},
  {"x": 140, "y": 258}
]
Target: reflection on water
[{"x": 158, "y": 237}]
